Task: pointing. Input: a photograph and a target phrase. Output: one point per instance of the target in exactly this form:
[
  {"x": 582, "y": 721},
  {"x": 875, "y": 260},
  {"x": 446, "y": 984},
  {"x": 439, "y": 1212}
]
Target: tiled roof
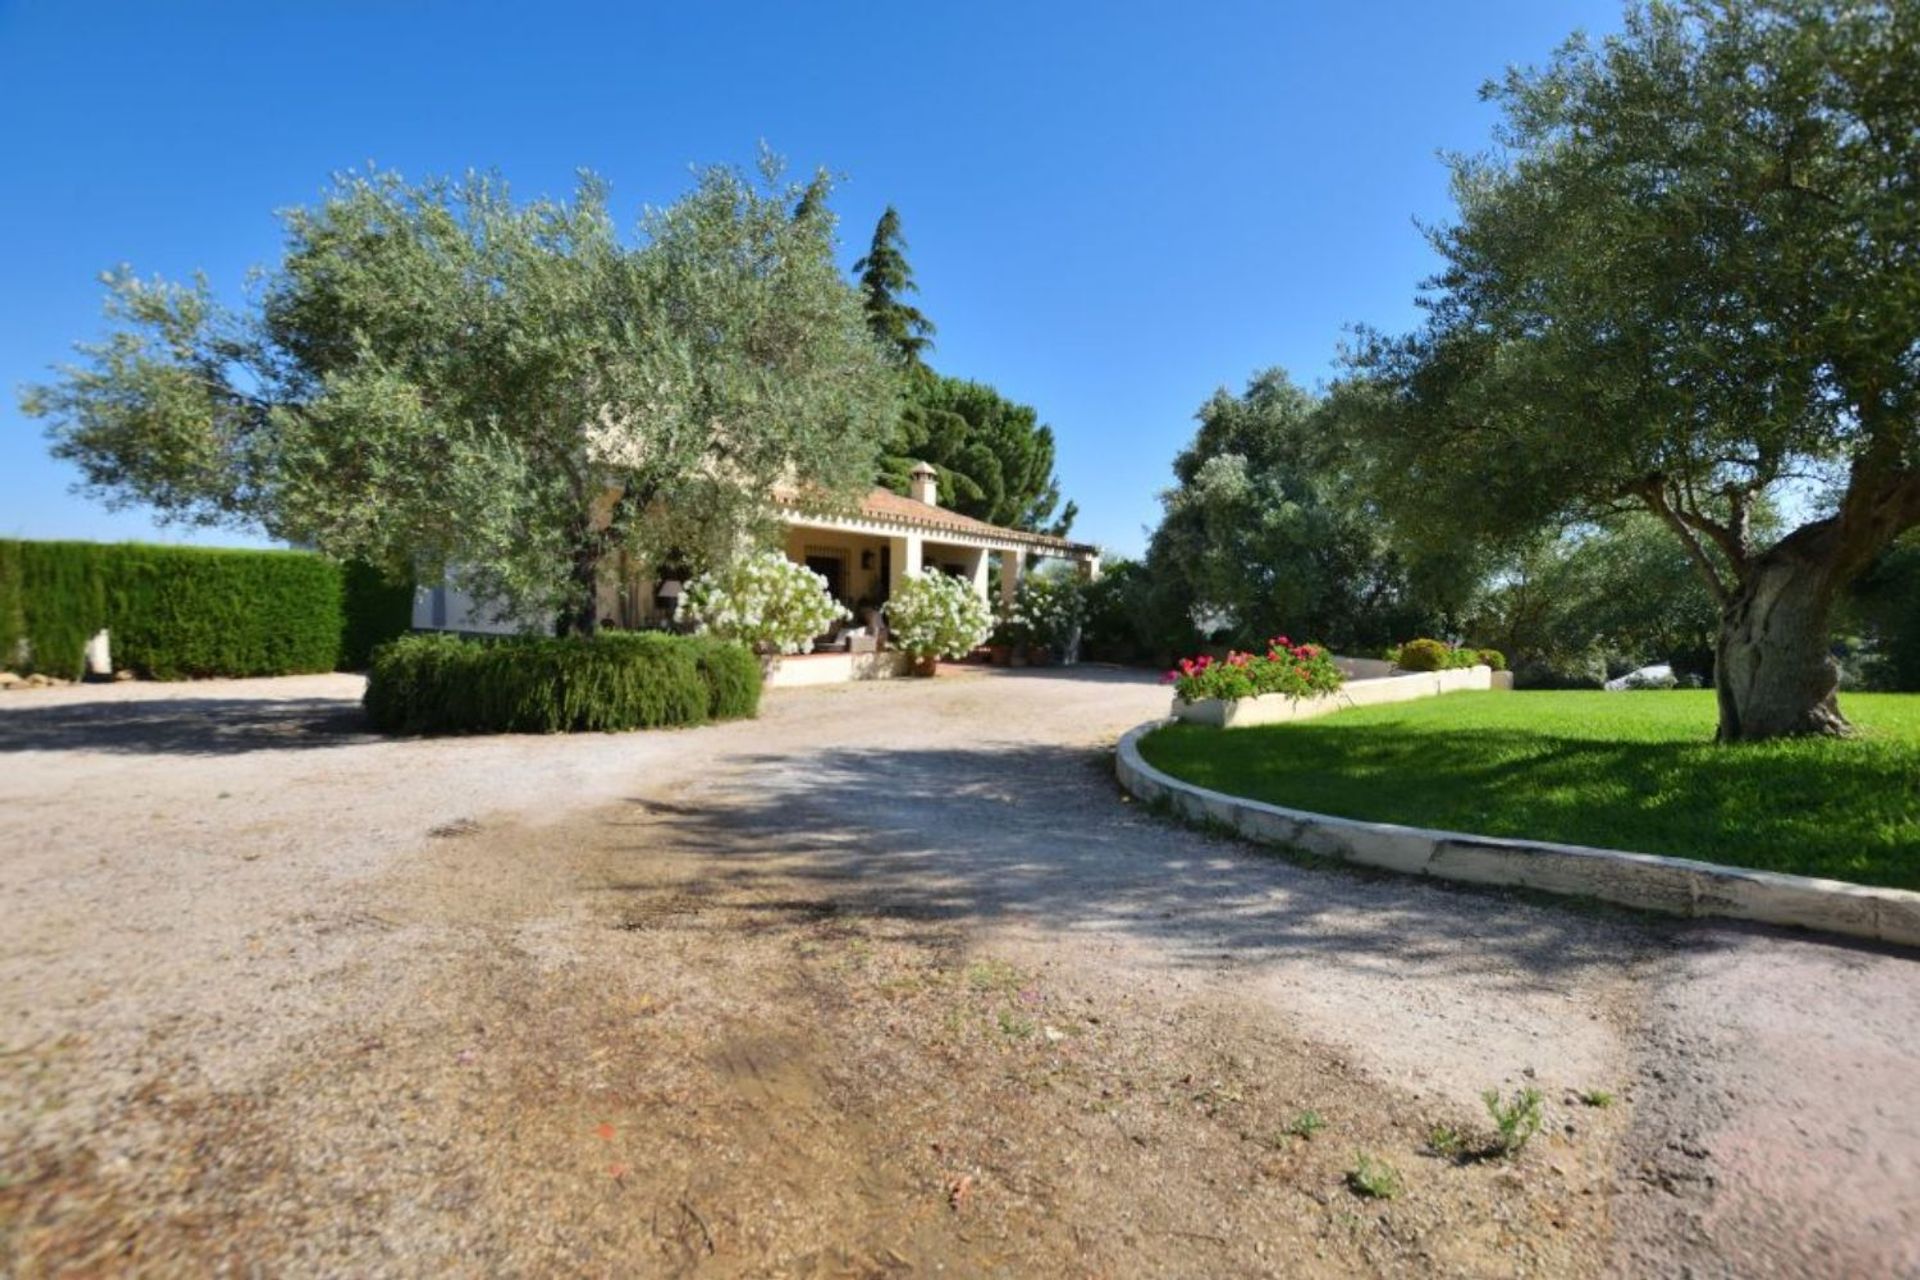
[{"x": 885, "y": 504}]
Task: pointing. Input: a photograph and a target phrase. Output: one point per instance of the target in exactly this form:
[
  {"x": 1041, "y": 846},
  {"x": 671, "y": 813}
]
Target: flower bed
[
  {"x": 1295, "y": 682},
  {"x": 1293, "y": 670}
]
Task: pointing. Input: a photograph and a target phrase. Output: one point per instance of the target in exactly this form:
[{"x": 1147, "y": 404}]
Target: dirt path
[{"x": 887, "y": 979}]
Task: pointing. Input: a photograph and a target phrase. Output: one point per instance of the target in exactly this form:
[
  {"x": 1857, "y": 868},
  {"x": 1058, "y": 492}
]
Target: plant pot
[
  {"x": 926, "y": 664},
  {"x": 1000, "y": 654},
  {"x": 1019, "y": 658}
]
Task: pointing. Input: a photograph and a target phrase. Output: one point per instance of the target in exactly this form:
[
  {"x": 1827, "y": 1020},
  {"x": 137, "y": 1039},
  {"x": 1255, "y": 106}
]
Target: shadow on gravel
[
  {"x": 1010, "y": 832},
  {"x": 184, "y": 726}
]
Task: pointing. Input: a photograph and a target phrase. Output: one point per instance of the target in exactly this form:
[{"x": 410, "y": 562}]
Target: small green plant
[
  {"x": 1515, "y": 1120},
  {"x": 1445, "y": 1140},
  {"x": 1374, "y": 1179},
  {"x": 1015, "y": 1027},
  {"x": 992, "y": 975},
  {"x": 1304, "y": 1125},
  {"x": 1596, "y": 1098}
]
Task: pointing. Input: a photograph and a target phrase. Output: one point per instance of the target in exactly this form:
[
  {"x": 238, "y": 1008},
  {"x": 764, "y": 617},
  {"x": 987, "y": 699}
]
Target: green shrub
[
  {"x": 733, "y": 677},
  {"x": 1424, "y": 655},
  {"x": 174, "y": 612},
  {"x": 435, "y": 684},
  {"x": 1491, "y": 658},
  {"x": 187, "y": 612},
  {"x": 374, "y": 610}
]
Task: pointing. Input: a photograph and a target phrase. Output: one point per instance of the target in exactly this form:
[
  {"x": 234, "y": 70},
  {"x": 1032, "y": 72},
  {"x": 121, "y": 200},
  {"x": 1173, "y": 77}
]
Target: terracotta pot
[
  {"x": 927, "y": 665},
  {"x": 1000, "y": 654}
]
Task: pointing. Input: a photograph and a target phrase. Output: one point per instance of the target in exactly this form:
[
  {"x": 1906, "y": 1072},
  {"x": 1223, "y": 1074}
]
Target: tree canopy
[
  {"x": 1265, "y": 533},
  {"x": 1689, "y": 280},
  {"x": 994, "y": 456},
  {"x": 437, "y": 377}
]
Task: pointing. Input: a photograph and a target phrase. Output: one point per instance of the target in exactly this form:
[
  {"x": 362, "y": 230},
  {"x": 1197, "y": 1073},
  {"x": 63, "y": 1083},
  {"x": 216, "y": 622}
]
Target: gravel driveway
[{"x": 913, "y": 983}]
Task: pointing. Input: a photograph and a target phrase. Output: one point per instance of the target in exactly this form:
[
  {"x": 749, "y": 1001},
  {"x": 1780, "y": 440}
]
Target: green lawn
[{"x": 1632, "y": 771}]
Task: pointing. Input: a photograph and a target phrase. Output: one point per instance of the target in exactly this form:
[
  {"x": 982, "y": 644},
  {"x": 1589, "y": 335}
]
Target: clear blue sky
[{"x": 1113, "y": 208}]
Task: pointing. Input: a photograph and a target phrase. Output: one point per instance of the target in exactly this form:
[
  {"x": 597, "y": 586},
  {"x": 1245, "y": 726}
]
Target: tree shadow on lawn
[
  {"x": 185, "y": 726},
  {"x": 1846, "y": 810},
  {"x": 1005, "y": 834}
]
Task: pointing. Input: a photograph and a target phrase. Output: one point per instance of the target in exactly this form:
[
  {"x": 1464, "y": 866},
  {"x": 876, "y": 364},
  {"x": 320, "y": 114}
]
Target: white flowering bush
[
  {"x": 934, "y": 614},
  {"x": 765, "y": 601},
  {"x": 1050, "y": 611}
]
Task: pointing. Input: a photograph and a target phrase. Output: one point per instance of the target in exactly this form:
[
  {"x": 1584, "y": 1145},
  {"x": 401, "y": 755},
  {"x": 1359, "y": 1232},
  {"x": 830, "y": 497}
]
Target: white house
[{"x": 863, "y": 555}]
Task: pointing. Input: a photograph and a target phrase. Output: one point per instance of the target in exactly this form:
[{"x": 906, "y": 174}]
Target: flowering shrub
[
  {"x": 934, "y": 614},
  {"x": 1049, "y": 611},
  {"x": 1297, "y": 670},
  {"x": 764, "y": 600}
]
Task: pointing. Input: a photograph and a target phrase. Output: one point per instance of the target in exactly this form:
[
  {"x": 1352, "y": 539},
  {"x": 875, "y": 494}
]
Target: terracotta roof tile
[{"x": 885, "y": 504}]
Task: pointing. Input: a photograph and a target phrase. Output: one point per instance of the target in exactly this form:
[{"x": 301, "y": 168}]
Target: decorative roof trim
[{"x": 952, "y": 525}]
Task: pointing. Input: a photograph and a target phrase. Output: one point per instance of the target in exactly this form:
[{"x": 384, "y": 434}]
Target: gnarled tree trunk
[
  {"x": 583, "y": 619},
  {"x": 1774, "y": 672}
]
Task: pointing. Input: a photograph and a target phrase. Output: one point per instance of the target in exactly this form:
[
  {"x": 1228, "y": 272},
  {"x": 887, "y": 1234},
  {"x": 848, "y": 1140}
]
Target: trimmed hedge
[
  {"x": 439, "y": 684},
  {"x": 373, "y": 611},
  {"x": 186, "y": 612}
]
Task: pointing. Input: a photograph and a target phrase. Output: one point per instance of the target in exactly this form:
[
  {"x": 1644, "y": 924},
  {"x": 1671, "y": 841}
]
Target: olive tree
[
  {"x": 1688, "y": 284},
  {"x": 438, "y": 377}
]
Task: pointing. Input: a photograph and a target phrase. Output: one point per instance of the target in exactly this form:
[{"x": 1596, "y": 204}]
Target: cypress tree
[{"x": 885, "y": 278}]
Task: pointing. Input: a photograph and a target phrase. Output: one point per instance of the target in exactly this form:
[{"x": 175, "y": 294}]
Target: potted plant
[
  {"x": 767, "y": 602},
  {"x": 1052, "y": 608},
  {"x": 933, "y": 616}
]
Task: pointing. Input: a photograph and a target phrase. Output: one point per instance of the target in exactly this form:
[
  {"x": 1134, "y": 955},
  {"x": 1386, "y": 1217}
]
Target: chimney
[{"x": 925, "y": 485}]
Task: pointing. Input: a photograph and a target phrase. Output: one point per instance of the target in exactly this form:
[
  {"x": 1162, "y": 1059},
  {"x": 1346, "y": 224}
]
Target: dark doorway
[{"x": 834, "y": 570}]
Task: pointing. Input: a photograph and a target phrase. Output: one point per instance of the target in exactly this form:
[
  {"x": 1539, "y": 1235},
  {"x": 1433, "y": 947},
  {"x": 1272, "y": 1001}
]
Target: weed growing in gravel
[
  {"x": 1374, "y": 1179},
  {"x": 1445, "y": 1140},
  {"x": 1304, "y": 1125},
  {"x": 1516, "y": 1119},
  {"x": 1596, "y": 1098}
]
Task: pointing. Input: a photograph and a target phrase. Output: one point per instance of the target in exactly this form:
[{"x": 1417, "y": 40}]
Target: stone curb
[{"x": 1678, "y": 886}]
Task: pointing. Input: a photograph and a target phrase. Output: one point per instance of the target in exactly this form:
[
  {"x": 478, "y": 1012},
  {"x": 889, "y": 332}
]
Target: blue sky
[{"x": 1113, "y": 208}]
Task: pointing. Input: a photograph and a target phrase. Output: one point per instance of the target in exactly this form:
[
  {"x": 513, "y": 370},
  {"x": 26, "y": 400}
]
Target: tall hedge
[
  {"x": 443, "y": 684},
  {"x": 184, "y": 612},
  {"x": 375, "y": 611}
]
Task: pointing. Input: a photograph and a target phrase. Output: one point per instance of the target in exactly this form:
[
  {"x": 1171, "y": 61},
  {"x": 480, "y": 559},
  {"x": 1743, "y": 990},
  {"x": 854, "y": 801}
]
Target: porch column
[
  {"x": 1011, "y": 565},
  {"x": 904, "y": 555},
  {"x": 1090, "y": 568},
  {"x": 977, "y": 570}
]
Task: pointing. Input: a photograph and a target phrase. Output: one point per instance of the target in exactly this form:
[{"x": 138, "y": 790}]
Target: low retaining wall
[
  {"x": 1678, "y": 886},
  {"x": 834, "y": 668},
  {"x": 1275, "y": 708}
]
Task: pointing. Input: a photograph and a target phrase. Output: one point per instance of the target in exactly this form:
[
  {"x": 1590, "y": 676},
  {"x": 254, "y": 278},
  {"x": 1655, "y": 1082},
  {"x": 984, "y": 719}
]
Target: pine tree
[{"x": 885, "y": 277}]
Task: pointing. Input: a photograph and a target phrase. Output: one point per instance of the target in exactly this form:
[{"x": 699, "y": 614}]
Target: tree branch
[{"x": 1653, "y": 492}]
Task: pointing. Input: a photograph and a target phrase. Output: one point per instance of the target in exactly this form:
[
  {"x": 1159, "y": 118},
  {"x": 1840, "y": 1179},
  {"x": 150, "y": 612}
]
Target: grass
[{"x": 1635, "y": 771}]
